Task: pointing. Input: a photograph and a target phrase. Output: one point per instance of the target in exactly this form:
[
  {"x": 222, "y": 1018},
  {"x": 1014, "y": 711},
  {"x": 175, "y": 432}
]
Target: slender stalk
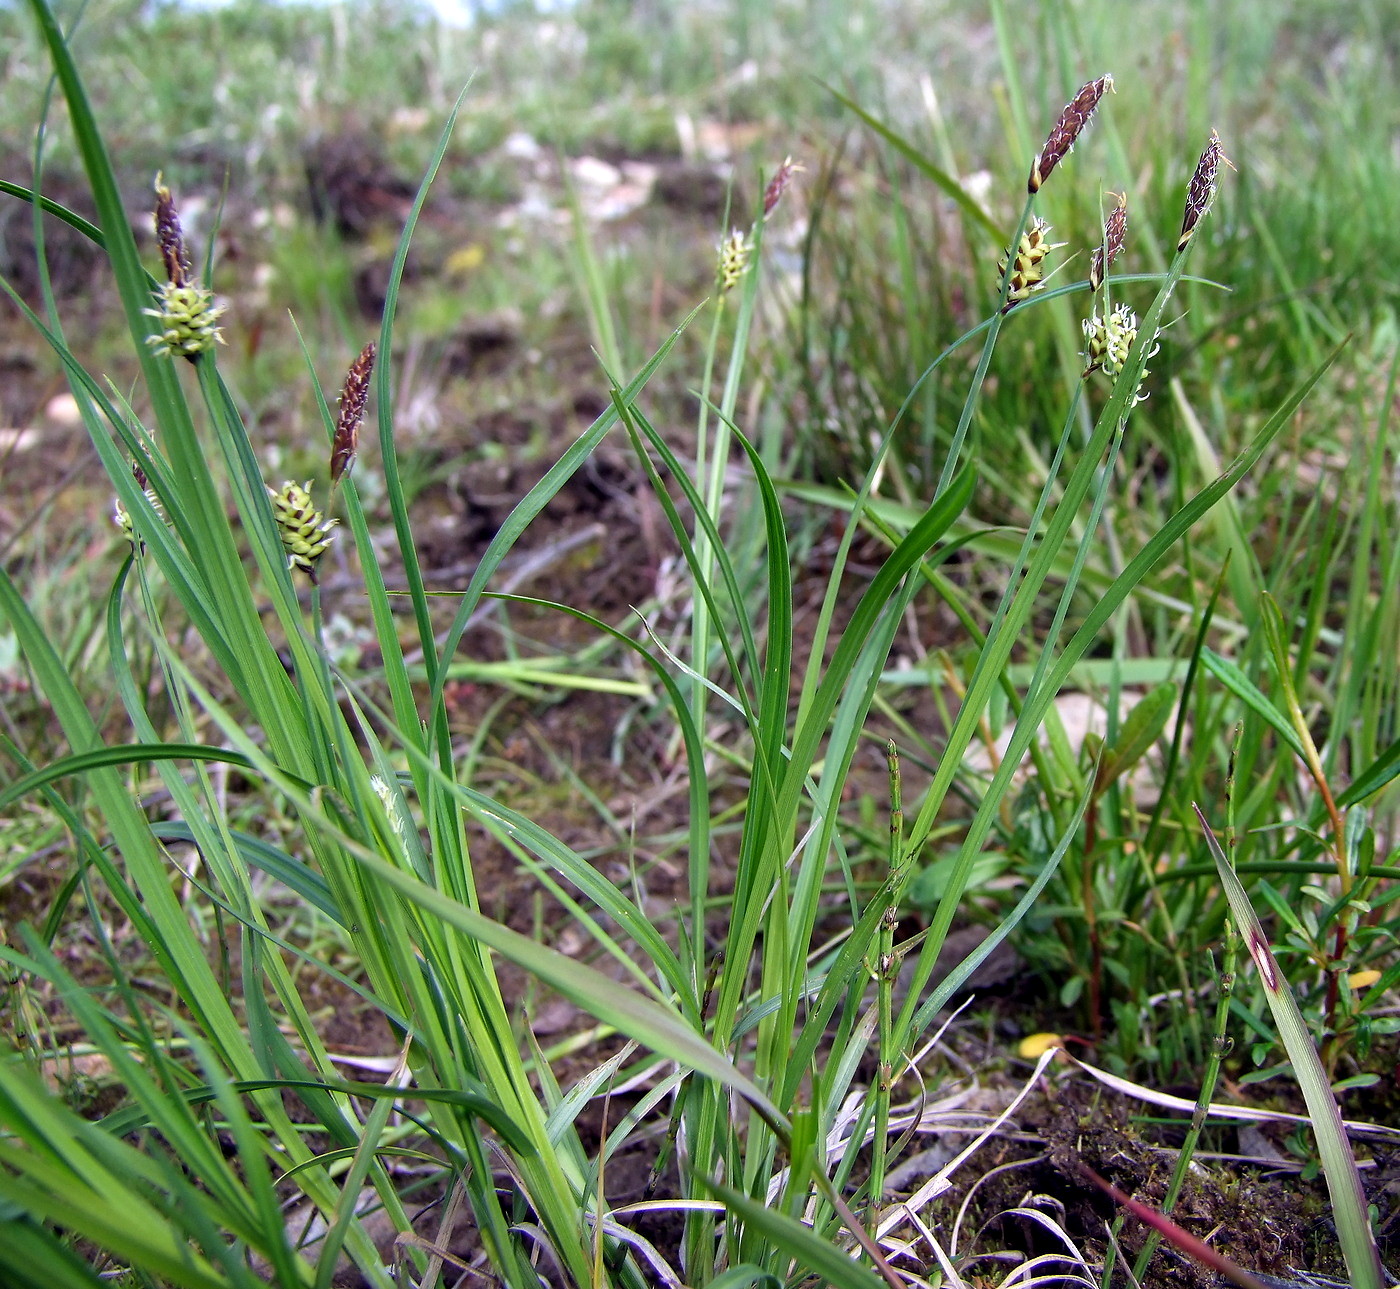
[
  {"x": 1344, "y": 1186},
  {"x": 1220, "y": 1047},
  {"x": 886, "y": 972},
  {"x": 979, "y": 377},
  {"x": 1272, "y": 620}
]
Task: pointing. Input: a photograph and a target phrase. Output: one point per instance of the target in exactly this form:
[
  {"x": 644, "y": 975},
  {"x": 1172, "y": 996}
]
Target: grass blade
[
  {"x": 1338, "y": 1164},
  {"x": 966, "y": 203},
  {"x": 810, "y": 1251}
]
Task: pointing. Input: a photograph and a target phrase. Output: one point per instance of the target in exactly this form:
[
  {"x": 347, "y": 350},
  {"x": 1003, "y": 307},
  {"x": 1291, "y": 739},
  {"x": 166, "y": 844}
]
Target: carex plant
[
  {"x": 768, "y": 1059},
  {"x": 1122, "y": 930}
]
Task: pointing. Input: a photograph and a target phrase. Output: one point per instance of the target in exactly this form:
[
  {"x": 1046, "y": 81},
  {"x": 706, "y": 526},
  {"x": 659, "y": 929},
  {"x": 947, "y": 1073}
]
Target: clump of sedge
[{"x": 186, "y": 310}]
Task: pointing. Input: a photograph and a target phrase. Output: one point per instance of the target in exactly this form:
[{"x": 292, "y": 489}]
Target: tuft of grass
[
  {"x": 895, "y": 263},
  {"x": 750, "y": 1037}
]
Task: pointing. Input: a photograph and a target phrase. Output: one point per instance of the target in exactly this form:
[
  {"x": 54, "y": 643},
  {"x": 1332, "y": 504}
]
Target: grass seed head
[
  {"x": 352, "y": 411},
  {"x": 188, "y": 320},
  {"x": 777, "y": 185},
  {"x": 306, "y": 532},
  {"x": 391, "y": 809},
  {"x": 1027, "y": 268},
  {"x": 1067, "y": 129},
  {"x": 1107, "y": 340},
  {"x": 1201, "y": 189},
  {"x": 187, "y": 312},
  {"x": 1115, "y": 233},
  {"x": 122, "y": 519},
  {"x": 734, "y": 254},
  {"x": 170, "y": 237}
]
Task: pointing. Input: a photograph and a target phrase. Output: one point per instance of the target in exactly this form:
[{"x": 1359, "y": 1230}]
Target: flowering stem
[{"x": 989, "y": 345}]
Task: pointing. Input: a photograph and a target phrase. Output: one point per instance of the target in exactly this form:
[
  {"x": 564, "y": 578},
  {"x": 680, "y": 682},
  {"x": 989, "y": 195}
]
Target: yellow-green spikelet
[
  {"x": 1028, "y": 271},
  {"x": 1107, "y": 341},
  {"x": 188, "y": 320},
  {"x": 734, "y": 254},
  {"x": 122, "y": 519},
  {"x": 306, "y": 532}
]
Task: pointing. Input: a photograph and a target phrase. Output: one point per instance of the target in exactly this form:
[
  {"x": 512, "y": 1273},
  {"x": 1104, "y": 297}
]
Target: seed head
[
  {"x": 1107, "y": 341},
  {"x": 187, "y": 312},
  {"x": 734, "y": 253},
  {"x": 1201, "y": 189},
  {"x": 391, "y": 808},
  {"x": 306, "y": 532},
  {"x": 1115, "y": 232},
  {"x": 352, "y": 412},
  {"x": 187, "y": 316},
  {"x": 1027, "y": 271},
  {"x": 122, "y": 519},
  {"x": 1066, "y": 130},
  {"x": 777, "y": 185},
  {"x": 170, "y": 237}
]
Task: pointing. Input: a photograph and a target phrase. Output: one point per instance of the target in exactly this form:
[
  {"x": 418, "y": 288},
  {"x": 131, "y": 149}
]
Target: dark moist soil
[{"x": 1265, "y": 1226}]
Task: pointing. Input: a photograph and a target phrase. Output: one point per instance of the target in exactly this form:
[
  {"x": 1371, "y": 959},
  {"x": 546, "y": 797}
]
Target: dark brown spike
[
  {"x": 171, "y": 238},
  {"x": 352, "y": 411},
  {"x": 1115, "y": 233},
  {"x": 777, "y": 185},
  {"x": 1067, "y": 129},
  {"x": 1201, "y": 188}
]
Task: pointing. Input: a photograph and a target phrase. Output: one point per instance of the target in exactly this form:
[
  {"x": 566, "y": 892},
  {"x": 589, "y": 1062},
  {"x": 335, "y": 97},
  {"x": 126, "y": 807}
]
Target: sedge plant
[
  {"x": 752, "y": 1038},
  {"x": 1126, "y": 924}
]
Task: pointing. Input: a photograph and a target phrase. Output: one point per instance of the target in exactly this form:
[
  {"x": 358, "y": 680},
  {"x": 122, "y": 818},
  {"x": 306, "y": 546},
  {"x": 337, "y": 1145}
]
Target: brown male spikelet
[
  {"x": 1066, "y": 130},
  {"x": 1201, "y": 189},
  {"x": 170, "y": 237},
  {"x": 777, "y": 185},
  {"x": 352, "y": 411},
  {"x": 1115, "y": 233}
]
